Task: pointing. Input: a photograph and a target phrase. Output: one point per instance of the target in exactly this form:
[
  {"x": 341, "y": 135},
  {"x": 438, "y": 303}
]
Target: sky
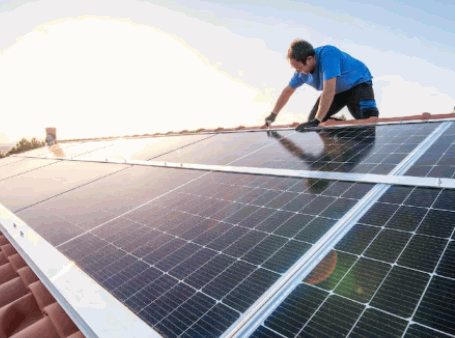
[{"x": 95, "y": 68}]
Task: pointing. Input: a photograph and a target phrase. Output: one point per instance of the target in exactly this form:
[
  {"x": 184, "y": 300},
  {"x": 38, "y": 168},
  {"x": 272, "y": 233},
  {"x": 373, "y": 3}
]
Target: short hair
[{"x": 300, "y": 50}]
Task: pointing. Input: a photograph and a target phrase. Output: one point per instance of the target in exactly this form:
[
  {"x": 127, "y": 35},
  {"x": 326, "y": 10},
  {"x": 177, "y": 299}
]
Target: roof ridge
[{"x": 329, "y": 123}]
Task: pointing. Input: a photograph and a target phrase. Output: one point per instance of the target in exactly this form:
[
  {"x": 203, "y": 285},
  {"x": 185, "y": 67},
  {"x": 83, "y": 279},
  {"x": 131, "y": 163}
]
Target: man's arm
[
  {"x": 328, "y": 93},
  {"x": 283, "y": 99}
]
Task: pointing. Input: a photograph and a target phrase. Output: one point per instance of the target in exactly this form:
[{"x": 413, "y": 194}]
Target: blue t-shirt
[{"x": 332, "y": 62}]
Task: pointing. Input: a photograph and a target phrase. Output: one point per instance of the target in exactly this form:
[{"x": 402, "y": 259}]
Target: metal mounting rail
[
  {"x": 429, "y": 182},
  {"x": 270, "y": 300}
]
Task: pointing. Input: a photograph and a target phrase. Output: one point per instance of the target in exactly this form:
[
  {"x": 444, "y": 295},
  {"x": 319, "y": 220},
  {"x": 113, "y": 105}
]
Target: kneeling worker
[{"x": 344, "y": 81}]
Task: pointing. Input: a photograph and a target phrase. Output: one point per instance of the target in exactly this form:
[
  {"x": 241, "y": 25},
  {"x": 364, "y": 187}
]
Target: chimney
[{"x": 51, "y": 135}]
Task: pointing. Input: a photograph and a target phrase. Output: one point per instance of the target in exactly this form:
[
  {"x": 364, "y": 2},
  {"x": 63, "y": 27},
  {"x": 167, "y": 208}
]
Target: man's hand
[
  {"x": 273, "y": 134},
  {"x": 307, "y": 125},
  {"x": 270, "y": 119}
]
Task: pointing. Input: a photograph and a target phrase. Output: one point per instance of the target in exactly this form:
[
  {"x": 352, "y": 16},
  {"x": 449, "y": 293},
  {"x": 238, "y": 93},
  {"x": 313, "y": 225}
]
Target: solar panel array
[
  {"x": 391, "y": 276},
  {"x": 190, "y": 251}
]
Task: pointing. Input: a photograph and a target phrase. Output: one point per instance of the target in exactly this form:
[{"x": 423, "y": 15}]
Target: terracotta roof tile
[
  {"x": 423, "y": 116},
  {"x": 27, "y": 308}
]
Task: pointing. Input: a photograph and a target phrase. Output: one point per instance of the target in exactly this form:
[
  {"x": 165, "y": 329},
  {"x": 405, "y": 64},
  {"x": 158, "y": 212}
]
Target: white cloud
[
  {"x": 110, "y": 75},
  {"x": 404, "y": 98},
  {"x": 95, "y": 77}
]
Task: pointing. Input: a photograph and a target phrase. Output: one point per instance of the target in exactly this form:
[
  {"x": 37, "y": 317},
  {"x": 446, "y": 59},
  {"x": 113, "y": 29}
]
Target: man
[{"x": 344, "y": 81}]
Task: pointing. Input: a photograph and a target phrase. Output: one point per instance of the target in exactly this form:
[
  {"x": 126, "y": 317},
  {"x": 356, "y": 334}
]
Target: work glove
[
  {"x": 270, "y": 119},
  {"x": 312, "y": 124}
]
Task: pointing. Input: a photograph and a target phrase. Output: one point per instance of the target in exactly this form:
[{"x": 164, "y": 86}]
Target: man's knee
[{"x": 368, "y": 109}]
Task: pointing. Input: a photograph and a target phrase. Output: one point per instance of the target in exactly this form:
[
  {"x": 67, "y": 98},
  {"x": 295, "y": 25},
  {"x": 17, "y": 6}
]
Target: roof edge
[{"x": 372, "y": 120}]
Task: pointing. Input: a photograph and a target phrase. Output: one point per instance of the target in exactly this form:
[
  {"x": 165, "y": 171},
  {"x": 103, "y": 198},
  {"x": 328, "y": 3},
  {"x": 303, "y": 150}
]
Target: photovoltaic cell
[
  {"x": 438, "y": 160},
  {"x": 16, "y": 168},
  {"x": 10, "y": 159},
  {"x": 221, "y": 149},
  {"x": 366, "y": 149},
  {"x": 144, "y": 149},
  {"x": 418, "y": 331},
  {"x": 204, "y": 242},
  {"x": 108, "y": 191},
  {"x": 374, "y": 323},
  {"x": 46, "y": 179},
  {"x": 391, "y": 275}
]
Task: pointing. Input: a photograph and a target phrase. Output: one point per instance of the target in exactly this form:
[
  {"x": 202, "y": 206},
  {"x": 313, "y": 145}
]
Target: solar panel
[
  {"x": 14, "y": 168},
  {"x": 77, "y": 210},
  {"x": 9, "y": 160},
  {"x": 438, "y": 160},
  {"x": 191, "y": 251},
  {"x": 222, "y": 148},
  {"x": 192, "y": 261},
  {"x": 144, "y": 149},
  {"x": 390, "y": 276},
  {"x": 51, "y": 179},
  {"x": 67, "y": 150},
  {"x": 46, "y": 150},
  {"x": 365, "y": 149}
]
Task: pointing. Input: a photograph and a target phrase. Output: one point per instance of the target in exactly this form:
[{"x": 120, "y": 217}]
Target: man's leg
[
  {"x": 339, "y": 102},
  {"x": 361, "y": 103}
]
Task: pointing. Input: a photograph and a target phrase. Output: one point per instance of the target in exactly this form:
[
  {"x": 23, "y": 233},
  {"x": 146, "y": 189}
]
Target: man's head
[{"x": 301, "y": 55}]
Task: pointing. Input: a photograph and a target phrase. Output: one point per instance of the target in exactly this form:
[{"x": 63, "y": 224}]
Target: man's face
[{"x": 302, "y": 68}]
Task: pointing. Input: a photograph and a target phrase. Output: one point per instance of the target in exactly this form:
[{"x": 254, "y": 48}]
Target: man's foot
[{"x": 335, "y": 119}]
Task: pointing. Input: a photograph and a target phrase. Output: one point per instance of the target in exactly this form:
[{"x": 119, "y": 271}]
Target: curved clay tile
[{"x": 27, "y": 308}]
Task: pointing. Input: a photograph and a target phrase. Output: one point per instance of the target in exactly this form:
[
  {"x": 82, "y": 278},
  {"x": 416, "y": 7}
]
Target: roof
[
  {"x": 220, "y": 232},
  {"x": 27, "y": 307}
]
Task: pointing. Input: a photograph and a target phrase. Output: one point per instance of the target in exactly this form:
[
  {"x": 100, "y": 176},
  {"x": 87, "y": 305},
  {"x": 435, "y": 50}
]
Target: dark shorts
[{"x": 359, "y": 100}]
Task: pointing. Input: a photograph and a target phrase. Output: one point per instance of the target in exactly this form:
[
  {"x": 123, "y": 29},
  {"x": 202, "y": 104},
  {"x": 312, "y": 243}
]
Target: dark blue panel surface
[
  {"x": 221, "y": 149},
  {"x": 365, "y": 149},
  {"x": 393, "y": 271},
  {"x": 216, "y": 240},
  {"x": 439, "y": 159}
]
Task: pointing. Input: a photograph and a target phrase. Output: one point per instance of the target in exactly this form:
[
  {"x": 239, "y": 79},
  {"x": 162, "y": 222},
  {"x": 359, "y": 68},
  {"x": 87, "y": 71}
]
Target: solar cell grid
[
  {"x": 229, "y": 260},
  {"x": 438, "y": 160},
  {"x": 366, "y": 149},
  {"x": 397, "y": 280},
  {"x": 221, "y": 149}
]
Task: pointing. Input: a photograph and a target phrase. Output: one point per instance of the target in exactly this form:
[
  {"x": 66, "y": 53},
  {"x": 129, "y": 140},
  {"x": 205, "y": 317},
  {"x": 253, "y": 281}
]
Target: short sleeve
[
  {"x": 297, "y": 80},
  {"x": 330, "y": 60}
]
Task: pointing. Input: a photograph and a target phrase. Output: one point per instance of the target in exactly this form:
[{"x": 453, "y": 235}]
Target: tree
[{"x": 24, "y": 145}]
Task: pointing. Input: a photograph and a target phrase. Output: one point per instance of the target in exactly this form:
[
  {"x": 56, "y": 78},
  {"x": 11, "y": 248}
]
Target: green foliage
[
  {"x": 24, "y": 145},
  {"x": 2, "y": 155}
]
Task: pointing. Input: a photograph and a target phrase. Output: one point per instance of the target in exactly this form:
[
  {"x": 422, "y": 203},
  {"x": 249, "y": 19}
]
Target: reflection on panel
[
  {"x": 8, "y": 160},
  {"x": 439, "y": 159},
  {"x": 222, "y": 148},
  {"x": 391, "y": 269},
  {"x": 23, "y": 166},
  {"x": 100, "y": 201},
  {"x": 52, "y": 151},
  {"x": 193, "y": 260},
  {"x": 121, "y": 149},
  {"x": 367, "y": 149},
  {"x": 31, "y": 187},
  {"x": 79, "y": 149},
  {"x": 144, "y": 149}
]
